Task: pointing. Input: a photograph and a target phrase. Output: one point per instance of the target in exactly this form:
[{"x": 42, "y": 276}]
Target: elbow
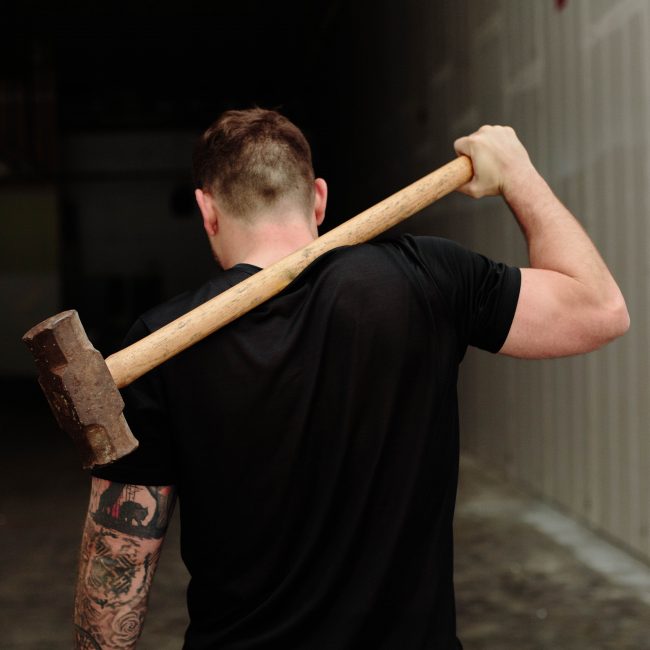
[
  {"x": 615, "y": 321},
  {"x": 622, "y": 319}
]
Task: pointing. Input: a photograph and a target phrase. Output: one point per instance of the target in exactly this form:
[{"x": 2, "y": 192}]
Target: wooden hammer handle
[{"x": 134, "y": 361}]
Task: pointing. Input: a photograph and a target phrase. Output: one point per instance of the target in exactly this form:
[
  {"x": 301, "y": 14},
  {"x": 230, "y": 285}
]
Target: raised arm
[
  {"x": 120, "y": 548},
  {"x": 569, "y": 301}
]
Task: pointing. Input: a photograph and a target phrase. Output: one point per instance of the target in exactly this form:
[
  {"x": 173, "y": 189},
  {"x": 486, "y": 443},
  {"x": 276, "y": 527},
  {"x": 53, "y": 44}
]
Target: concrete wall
[{"x": 575, "y": 83}]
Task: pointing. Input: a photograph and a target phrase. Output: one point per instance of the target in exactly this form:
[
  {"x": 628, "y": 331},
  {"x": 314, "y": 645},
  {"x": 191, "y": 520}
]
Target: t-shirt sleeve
[
  {"x": 481, "y": 293},
  {"x": 152, "y": 462}
]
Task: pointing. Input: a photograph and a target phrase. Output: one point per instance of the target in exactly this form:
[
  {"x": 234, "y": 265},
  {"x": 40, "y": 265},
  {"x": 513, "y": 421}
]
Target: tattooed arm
[{"x": 120, "y": 548}]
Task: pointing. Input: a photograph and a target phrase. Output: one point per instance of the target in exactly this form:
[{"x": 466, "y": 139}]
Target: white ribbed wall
[{"x": 575, "y": 84}]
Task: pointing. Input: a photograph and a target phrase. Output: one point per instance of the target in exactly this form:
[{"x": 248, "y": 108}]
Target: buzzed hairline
[{"x": 253, "y": 160}]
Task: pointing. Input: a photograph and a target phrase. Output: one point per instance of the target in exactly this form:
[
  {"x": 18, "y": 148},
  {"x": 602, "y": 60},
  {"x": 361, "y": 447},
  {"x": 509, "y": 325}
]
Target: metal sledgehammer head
[{"x": 80, "y": 389}]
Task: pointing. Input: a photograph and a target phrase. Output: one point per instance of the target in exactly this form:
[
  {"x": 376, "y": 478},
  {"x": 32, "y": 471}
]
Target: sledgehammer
[{"x": 82, "y": 387}]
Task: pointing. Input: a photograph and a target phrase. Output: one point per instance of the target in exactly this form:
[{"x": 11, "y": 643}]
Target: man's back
[{"x": 314, "y": 444}]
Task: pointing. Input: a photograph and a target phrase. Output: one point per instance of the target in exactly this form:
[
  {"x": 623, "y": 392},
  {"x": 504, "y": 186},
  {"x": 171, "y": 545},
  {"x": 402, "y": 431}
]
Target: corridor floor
[
  {"x": 531, "y": 578},
  {"x": 527, "y": 578}
]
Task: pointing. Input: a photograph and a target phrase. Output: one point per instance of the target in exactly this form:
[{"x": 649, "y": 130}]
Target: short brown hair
[{"x": 252, "y": 158}]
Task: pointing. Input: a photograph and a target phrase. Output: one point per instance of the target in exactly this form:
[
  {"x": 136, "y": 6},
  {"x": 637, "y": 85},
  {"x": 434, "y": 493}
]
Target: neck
[{"x": 265, "y": 242}]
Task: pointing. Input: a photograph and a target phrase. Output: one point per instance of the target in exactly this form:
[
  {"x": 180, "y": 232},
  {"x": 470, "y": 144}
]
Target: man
[{"x": 314, "y": 442}]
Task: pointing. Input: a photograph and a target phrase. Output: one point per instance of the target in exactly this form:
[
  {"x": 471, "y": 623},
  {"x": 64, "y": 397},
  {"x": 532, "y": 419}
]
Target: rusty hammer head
[{"x": 80, "y": 389}]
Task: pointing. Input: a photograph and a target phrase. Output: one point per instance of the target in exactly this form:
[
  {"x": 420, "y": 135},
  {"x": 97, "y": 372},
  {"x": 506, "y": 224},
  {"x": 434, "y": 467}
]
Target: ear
[
  {"x": 208, "y": 212},
  {"x": 320, "y": 200}
]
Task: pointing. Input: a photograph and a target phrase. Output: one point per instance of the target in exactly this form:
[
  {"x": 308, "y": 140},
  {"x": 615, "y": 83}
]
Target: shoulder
[
  {"x": 422, "y": 246},
  {"x": 398, "y": 264},
  {"x": 428, "y": 246},
  {"x": 409, "y": 257},
  {"x": 405, "y": 245},
  {"x": 162, "y": 314},
  {"x": 435, "y": 255},
  {"x": 446, "y": 258}
]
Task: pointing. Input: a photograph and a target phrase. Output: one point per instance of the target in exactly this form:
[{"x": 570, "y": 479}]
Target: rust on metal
[{"x": 80, "y": 389}]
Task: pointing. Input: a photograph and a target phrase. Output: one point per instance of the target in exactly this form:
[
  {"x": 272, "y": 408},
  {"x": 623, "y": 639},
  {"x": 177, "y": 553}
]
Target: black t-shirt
[{"x": 314, "y": 444}]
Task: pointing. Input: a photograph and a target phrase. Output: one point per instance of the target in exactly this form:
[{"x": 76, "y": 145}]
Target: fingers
[
  {"x": 495, "y": 152},
  {"x": 473, "y": 189},
  {"x": 487, "y": 133},
  {"x": 462, "y": 146}
]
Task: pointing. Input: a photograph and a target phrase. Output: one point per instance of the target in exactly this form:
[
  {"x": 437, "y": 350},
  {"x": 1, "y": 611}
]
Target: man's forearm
[
  {"x": 556, "y": 241},
  {"x": 115, "y": 574},
  {"x": 569, "y": 303},
  {"x": 120, "y": 549}
]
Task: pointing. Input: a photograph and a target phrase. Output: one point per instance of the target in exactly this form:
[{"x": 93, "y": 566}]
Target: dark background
[
  {"x": 100, "y": 103},
  {"x": 97, "y": 95}
]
